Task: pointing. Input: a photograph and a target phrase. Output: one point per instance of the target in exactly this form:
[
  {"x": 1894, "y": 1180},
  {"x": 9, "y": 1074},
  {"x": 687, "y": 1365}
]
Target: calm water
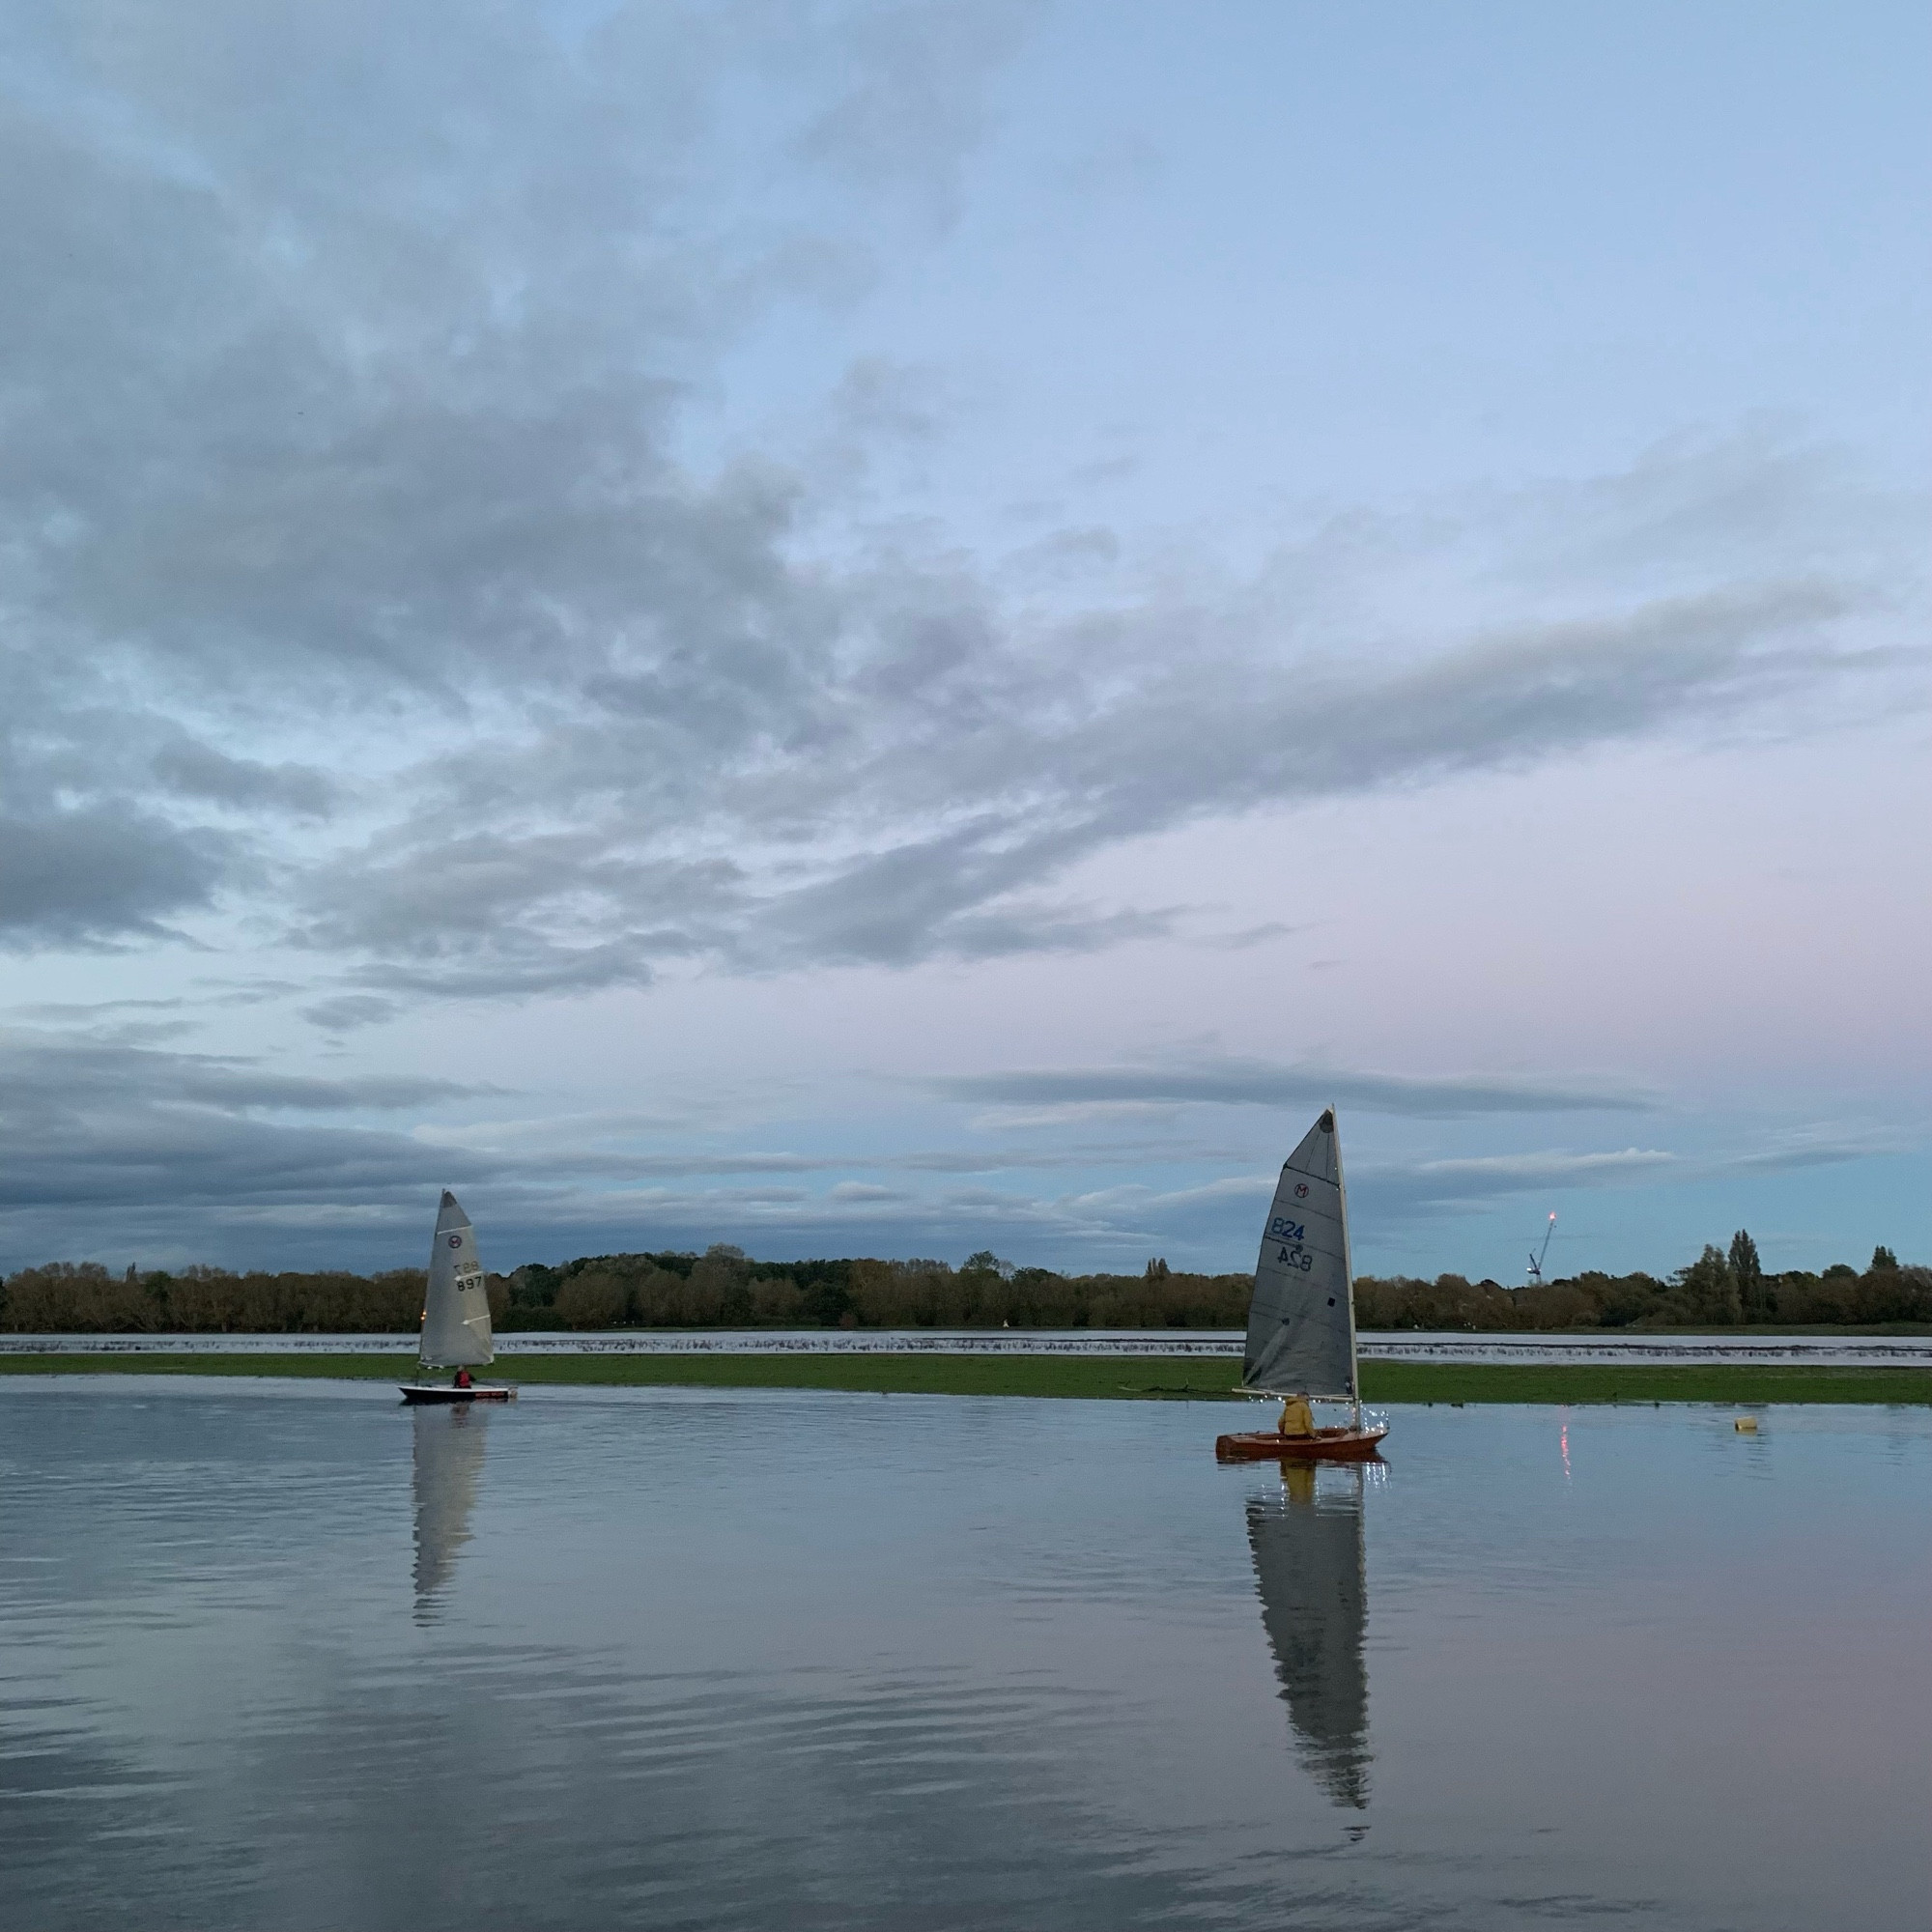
[{"x": 293, "y": 1656}]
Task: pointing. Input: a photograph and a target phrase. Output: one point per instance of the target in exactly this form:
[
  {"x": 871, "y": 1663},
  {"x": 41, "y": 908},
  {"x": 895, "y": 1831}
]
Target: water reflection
[
  {"x": 1307, "y": 1543},
  {"x": 447, "y": 1468}
]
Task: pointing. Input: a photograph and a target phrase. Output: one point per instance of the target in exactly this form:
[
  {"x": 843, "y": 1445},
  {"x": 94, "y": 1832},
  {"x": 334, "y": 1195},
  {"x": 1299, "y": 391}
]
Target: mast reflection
[
  {"x": 449, "y": 1464},
  {"x": 1309, "y": 1568}
]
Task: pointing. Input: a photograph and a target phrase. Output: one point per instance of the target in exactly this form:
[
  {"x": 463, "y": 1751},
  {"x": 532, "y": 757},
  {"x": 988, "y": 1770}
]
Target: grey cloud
[
  {"x": 1810, "y": 1153},
  {"x": 251, "y": 993},
  {"x": 118, "y": 1149},
  {"x": 93, "y": 1010},
  {"x": 375, "y": 439},
  {"x": 491, "y": 913},
  {"x": 585, "y": 1160},
  {"x": 492, "y": 965},
  {"x": 1433, "y": 1186},
  {"x": 53, "y": 1070},
  {"x": 112, "y": 1148},
  {"x": 350, "y": 1011},
  {"x": 154, "y": 1164},
  {"x": 96, "y": 874},
  {"x": 198, "y": 771},
  {"x": 1255, "y": 1083},
  {"x": 900, "y": 112},
  {"x": 1249, "y": 936},
  {"x": 360, "y": 429},
  {"x": 997, "y": 772}
]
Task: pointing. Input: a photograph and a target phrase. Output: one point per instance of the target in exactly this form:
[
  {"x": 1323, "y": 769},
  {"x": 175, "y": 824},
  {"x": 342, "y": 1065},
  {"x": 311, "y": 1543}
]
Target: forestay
[
  {"x": 1301, "y": 1323},
  {"x": 455, "y": 1310}
]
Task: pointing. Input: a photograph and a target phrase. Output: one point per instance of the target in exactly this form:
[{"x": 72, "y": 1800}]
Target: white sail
[
  {"x": 1301, "y": 1323},
  {"x": 456, "y": 1310}
]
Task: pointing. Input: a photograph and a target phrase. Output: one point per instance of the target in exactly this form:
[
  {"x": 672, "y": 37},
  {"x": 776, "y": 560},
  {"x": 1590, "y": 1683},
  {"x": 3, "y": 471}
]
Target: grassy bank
[{"x": 1145, "y": 1377}]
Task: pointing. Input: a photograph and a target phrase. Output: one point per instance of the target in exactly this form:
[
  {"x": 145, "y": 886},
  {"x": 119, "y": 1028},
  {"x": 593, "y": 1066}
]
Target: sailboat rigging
[
  {"x": 1301, "y": 1321},
  {"x": 456, "y": 1315}
]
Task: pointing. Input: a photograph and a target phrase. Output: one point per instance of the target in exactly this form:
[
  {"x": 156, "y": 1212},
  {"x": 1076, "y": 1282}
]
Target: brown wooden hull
[{"x": 1325, "y": 1445}]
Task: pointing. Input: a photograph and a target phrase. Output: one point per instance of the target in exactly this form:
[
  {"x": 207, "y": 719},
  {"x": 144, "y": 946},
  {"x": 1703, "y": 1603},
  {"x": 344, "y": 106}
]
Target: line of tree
[
  {"x": 723, "y": 1288},
  {"x": 1723, "y": 1288}
]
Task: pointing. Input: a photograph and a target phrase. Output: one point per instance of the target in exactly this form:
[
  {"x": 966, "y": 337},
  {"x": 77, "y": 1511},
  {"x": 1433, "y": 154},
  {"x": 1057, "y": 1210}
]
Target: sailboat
[
  {"x": 456, "y": 1315},
  {"x": 1301, "y": 1321},
  {"x": 1310, "y": 1576}
]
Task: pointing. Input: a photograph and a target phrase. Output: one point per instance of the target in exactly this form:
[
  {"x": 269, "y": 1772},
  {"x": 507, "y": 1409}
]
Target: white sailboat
[
  {"x": 1301, "y": 1321},
  {"x": 456, "y": 1315}
]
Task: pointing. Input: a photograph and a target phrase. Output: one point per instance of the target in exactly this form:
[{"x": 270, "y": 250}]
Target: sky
[{"x": 898, "y": 629}]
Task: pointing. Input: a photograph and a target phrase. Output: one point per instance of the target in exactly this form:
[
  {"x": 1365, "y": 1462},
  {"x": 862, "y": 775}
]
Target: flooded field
[{"x": 289, "y": 1654}]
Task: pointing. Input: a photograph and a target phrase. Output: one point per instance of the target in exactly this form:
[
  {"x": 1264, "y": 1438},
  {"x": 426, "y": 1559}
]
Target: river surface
[{"x": 290, "y": 1654}]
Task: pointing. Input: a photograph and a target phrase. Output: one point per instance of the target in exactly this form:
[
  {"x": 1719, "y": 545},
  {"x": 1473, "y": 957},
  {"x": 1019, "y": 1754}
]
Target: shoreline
[{"x": 1140, "y": 1377}]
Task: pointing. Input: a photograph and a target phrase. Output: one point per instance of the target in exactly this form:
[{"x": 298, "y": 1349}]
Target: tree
[
  {"x": 1883, "y": 1258},
  {"x": 1708, "y": 1288},
  {"x": 1755, "y": 1298}
]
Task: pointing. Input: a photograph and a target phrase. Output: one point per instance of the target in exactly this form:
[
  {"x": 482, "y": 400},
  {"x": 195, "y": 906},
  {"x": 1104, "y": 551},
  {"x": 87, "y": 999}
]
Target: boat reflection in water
[
  {"x": 447, "y": 1468},
  {"x": 1307, "y": 1543}
]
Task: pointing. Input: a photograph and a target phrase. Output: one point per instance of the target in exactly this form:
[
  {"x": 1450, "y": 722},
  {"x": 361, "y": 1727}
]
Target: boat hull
[
  {"x": 443, "y": 1392},
  {"x": 1325, "y": 1445}
]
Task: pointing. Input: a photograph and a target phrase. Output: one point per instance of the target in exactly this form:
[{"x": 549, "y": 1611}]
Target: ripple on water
[{"x": 836, "y": 1660}]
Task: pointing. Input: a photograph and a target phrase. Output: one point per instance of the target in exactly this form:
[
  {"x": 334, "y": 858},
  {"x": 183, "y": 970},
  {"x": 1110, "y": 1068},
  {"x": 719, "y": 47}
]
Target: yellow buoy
[{"x": 1745, "y": 1425}]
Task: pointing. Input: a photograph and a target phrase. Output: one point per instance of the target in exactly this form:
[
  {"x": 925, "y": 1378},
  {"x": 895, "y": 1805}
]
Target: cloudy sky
[{"x": 860, "y": 628}]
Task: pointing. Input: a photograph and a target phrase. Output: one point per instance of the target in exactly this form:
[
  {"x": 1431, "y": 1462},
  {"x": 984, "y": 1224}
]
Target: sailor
[
  {"x": 461, "y": 1378},
  {"x": 1296, "y": 1417}
]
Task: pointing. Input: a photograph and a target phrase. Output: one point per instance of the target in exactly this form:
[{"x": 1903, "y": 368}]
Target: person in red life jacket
[{"x": 462, "y": 1378}]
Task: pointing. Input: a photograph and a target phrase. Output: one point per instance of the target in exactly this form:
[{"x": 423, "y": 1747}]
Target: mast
[{"x": 1348, "y": 1275}]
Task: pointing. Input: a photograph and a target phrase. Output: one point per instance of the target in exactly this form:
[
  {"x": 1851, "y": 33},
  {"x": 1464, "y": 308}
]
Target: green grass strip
[{"x": 1145, "y": 1377}]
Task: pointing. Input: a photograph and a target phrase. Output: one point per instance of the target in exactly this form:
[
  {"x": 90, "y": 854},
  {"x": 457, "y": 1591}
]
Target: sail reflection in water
[
  {"x": 1307, "y": 1543},
  {"x": 448, "y": 1466}
]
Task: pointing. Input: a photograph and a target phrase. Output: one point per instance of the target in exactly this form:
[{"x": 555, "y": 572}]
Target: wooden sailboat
[
  {"x": 1301, "y": 1321},
  {"x": 456, "y": 1315}
]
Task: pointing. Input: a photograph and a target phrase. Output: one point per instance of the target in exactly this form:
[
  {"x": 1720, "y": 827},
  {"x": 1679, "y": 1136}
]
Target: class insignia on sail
[
  {"x": 1301, "y": 1319},
  {"x": 456, "y": 1315}
]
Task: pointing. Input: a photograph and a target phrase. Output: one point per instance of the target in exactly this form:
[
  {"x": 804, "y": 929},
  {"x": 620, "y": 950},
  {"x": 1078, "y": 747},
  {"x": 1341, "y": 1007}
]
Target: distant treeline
[
  {"x": 725, "y": 1288},
  {"x": 1718, "y": 1289}
]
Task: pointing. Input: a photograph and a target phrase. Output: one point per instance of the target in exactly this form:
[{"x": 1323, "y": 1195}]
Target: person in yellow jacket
[{"x": 1296, "y": 1417}]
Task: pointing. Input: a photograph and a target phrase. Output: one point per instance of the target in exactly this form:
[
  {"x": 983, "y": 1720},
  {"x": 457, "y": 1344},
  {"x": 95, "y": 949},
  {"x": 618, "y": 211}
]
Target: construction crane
[{"x": 1536, "y": 1257}]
